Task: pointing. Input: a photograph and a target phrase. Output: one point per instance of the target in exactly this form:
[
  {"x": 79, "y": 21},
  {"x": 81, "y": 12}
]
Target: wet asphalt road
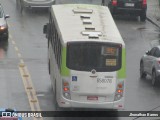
[{"x": 27, "y": 31}]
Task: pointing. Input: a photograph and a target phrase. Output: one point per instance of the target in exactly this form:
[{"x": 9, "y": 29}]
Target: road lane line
[
  {"x": 16, "y": 48},
  {"x": 21, "y": 61},
  {"x": 31, "y": 93},
  {"x": 19, "y": 55},
  {"x": 10, "y": 36},
  {"x": 13, "y": 42},
  {"x": 27, "y": 82}
]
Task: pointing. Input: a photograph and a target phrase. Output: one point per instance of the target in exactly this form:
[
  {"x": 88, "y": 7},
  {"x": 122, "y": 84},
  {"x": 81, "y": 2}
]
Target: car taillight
[
  {"x": 144, "y": 3},
  {"x": 114, "y": 2}
]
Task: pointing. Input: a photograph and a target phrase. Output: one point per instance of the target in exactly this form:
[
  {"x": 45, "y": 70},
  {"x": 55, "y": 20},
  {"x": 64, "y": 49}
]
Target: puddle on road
[
  {"x": 153, "y": 42},
  {"x": 149, "y": 30},
  {"x": 3, "y": 49},
  {"x": 40, "y": 95}
]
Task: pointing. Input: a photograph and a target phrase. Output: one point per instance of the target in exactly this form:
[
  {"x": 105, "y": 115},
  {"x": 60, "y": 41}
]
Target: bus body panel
[
  {"x": 52, "y": 66},
  {"x": 89, "y": 87},
  {"x": 65, "y": 103}
]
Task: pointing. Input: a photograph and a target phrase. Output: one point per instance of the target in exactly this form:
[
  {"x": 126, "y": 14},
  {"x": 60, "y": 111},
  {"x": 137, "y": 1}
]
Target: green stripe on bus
[
  {"x": 122, "y": 71},
  {"x": 64, "y": 69}
]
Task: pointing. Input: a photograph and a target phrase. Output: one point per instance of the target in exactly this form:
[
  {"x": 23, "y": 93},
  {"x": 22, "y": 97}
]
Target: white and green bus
[{"x": 86, "y": 57}]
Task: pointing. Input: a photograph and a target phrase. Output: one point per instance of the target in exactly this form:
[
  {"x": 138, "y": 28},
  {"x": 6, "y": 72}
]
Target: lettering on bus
[
  {"x": 110, "y": 51},
  {"x": 111, "y": 62}
]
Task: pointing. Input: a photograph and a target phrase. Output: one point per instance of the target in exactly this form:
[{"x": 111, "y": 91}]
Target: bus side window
[
  {"x": 45, "y": 28},
  {"x": 59, "y": 53}
]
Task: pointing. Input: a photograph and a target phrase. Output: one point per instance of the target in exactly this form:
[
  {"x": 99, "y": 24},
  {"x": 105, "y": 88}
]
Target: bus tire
[
  {"x": 54, "y": 97},
  {"x": 57, "y": 108}
]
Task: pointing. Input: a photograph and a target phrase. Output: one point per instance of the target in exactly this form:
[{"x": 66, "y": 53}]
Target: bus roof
[{"x": 84, "y": 22}]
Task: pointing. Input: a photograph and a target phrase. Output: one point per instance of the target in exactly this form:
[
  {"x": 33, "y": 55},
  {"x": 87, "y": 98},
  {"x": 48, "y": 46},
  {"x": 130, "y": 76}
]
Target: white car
[
  {"x": 150, "y": 64},
  {"x": 3, "y": 25}
]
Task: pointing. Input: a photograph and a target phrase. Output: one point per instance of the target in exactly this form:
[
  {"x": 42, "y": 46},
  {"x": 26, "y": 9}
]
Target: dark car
[
  {"x": 3, "y": 24},
  {"x": 131, "y": 7}
]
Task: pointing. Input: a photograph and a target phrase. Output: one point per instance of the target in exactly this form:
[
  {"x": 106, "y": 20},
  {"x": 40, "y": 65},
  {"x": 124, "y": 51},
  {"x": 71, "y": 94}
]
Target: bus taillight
[
  {"x": 66, "y": 90},
  {"x": 119, "y": 91},
  {"x": 65, "y": 84},
  {"x": 120, "y": 85}
]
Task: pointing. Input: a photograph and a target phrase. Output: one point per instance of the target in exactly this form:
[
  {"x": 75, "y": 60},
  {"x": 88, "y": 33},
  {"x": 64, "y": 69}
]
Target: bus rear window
[{"x": 86, "y": 56}]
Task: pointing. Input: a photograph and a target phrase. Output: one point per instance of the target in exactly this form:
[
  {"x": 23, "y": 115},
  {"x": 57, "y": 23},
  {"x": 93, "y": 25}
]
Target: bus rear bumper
[{"x": 104, "y": 105}]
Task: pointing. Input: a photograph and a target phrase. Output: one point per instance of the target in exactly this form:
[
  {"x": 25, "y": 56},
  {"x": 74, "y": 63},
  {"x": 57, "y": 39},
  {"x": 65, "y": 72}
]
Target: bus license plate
[
  {"x": 92, "y": 97},
  {"x": 104, "y": 80},
  {"x": 129, "y": 4}
]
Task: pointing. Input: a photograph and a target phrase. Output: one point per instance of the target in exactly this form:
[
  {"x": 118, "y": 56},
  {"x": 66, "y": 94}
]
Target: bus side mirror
[{"x": 45, "y": 29}]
